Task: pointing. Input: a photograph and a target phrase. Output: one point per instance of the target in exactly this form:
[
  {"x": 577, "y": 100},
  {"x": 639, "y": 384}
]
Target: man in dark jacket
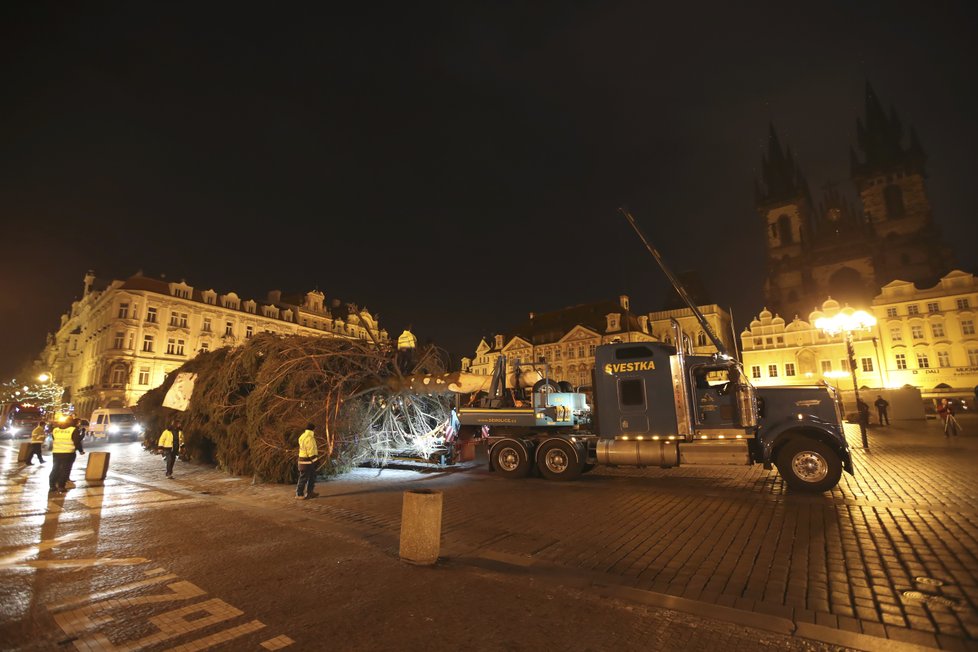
[{"x": 881, "y": 406}]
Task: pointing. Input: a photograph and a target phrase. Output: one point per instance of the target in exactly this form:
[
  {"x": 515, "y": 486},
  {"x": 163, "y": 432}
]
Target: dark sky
[{"x": 451, "y": 167}]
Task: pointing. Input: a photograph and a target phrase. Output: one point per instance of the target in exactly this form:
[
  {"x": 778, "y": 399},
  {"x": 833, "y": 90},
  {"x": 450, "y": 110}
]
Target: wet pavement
[{"x": 687, "y": 558}]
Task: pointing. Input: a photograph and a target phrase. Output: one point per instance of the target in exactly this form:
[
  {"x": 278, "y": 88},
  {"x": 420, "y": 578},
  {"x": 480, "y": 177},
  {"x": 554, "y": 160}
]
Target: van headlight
[
  {"x": 113, "y": 429},
  {"x": 139, "y": 427},
  {"x": 14, "y": 430}
]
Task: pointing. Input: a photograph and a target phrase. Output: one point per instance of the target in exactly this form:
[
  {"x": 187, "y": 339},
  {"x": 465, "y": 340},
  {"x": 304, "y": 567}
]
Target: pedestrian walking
[
  {"x": 38, "y": 435},
  {"x": 308, "y": 454},
  {"x": 65, "y": 441},
  {"x": 946, "y": 412},
  {"x": 170, "y": 442},
  {"x": 881, "y": 410}
]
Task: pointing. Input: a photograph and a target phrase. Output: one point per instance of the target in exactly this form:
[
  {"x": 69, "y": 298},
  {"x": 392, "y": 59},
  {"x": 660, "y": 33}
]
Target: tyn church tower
[{"x": 833, "y": 249}]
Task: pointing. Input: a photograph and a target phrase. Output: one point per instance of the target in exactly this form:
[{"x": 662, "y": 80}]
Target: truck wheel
[
  {"x": 558, "y": 460},
  {"x": 510, "y": 458},
  {"x": 546, "y": 386},
  {"x": 809, "y": 465}
]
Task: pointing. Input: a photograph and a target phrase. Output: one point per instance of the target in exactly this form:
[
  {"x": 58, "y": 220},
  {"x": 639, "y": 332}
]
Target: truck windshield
[{"x": 122, "y": 418}]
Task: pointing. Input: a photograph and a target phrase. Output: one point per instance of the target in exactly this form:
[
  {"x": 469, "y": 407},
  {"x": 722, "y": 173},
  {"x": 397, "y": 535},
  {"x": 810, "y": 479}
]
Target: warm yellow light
[
  {"x": 846, "y": 320},
  {"x": 44, "y": 377}
]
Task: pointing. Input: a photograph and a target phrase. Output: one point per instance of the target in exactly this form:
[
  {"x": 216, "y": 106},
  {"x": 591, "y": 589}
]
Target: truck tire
[
  {"x": 809, "y": 465},
  {"x": 559, "y": 460},
  {"x": 546, "y": 386},
  {"x": 510, "y": 458}
]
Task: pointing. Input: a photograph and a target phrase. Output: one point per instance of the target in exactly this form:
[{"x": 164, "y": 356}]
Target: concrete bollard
[
  {"x": 97, "y": 468},
  {"x": 23, "y": 452},
  {"x": 421, "y": 526}
]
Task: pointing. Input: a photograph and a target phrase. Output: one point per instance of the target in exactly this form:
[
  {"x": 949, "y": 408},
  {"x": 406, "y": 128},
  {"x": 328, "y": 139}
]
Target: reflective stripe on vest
[{"x": 62, "y": 442}]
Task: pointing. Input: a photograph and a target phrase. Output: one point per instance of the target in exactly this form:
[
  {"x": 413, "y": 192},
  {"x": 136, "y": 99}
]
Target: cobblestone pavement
[{"x": 888, "y": 558}]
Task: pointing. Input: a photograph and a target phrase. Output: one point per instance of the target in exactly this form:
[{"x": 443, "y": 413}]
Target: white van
[{"x": 114, "y": 424}]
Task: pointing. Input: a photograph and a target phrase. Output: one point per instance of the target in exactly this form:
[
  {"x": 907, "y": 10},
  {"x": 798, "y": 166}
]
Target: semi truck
[{"x": 658, "y": 405}]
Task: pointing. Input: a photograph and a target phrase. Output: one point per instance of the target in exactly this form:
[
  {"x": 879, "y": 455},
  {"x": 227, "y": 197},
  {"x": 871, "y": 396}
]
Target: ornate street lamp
[{"x": 846, "y": 321}]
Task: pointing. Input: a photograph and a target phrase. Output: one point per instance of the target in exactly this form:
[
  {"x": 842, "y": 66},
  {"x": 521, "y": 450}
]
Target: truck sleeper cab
[{"x": 656, "y": 406}]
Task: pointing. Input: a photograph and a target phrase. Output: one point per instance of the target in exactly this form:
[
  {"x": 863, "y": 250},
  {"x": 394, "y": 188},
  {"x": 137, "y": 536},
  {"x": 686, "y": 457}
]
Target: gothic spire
[
  {"x": 880, "y": 139},
  {"x": 781, "y": 177}
]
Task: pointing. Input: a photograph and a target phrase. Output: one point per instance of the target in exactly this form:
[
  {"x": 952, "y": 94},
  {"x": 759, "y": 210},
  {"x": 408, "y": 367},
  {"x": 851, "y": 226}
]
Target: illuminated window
[
  {"x": 938, "y": 330},
  {"x": 963, "y": 304},
  {"x": 249, "y": 331},
  {"x": 580, "y": 350},
  {"x": 755, "y": 371},
  {"x": 913, "y": 309},
  {"x": 901, "y": 361},
  {"x": 590, "y": 349},
  {"x": 867, "y": 364},
  {"x": 171, "y": 346},
  {"x": 826, "y": 366},
  {"x": 151, "y": 315},
  {"x": 967, "y": 327},
  {"x": 229, "y": 328},
  {"x": 789, "y": 368},
  {"x": 144, "y": 375},
  {"x": 933, "y": 306},
  {"x": 943, "y": 359},
  {"x": 180, "y": 346},
  {"x": 917, "y": 332},
  {"x": 922, "y": 361},
  {"x": 206, "y": 327},
  {"x": 120, "y": 338},
  {"x": 973, "y": 357},
  {"x": 896, "y": 334},
  {"x": 123, "y": 311},
  {"x": 891, "y": 312},
  {"x": 772, "y": 370},
  {"x": 118, "y": 376},
  {"x": 148, "y": 343}
]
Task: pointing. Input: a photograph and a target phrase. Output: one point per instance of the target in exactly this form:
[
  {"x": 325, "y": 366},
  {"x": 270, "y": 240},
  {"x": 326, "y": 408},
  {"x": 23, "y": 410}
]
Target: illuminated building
[
  {"x": 925, "y": 338},
  {"x": 121, "y": 340}
]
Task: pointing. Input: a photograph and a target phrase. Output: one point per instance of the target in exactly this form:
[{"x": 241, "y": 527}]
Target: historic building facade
[
  {"x": 566, "y": 339},
  {"x": 924, "y": 337},
  {"x": 833, "y": 248},
  {"x": 120, "y": 340}
]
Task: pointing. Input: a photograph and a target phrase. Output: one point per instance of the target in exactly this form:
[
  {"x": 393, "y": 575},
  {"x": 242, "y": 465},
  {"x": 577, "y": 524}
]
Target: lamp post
[{"x": 846, "y": 321}]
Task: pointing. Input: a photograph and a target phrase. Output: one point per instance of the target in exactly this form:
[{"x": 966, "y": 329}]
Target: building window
[
  {"x": 182, "y": 322},
  {"x": 769, "y": 341},
  {"x": 250, "y": 330},
  {"x": 755, "y": 371},
  {"x": 180, "y": 346},
  {"x": 963, "y": 304},
  {"x": 148, "y": 343},
  {"x": 922, "y": 361},
  {"x": 789, "y": 368},
  {"x": 757, "y": 340},
  {"x": 144, "y": 375},
  {"x": 590, "y": 349},
  {"x": 132, "y": 341},
  {"x": 123, "y": 311},
  {"x": 973, "y": 357},
  {"x": 844, "y": 364},
  {"x": 943, "y": 359},
  {"x": 118, "y": 376},
  {"x": 917, "y": 332},
  {"x": 229, "y": 328},
  {"x": 867, "y": 364},
  {"x": 967, "y": 327},
  {"x": 207, "y": 325},
  {"x": 205, "y": 346},
  {"x": 780, "y": 339},
  {"x": 701, "y": 339},
  {"x": 120, "y": 339},
  {"x": 938, "y": 330},
  {"x": 891, "y": 312},
  {"x": 901, "y": 360},
  {"x": 933, "y": 306},
  {"x": 772, "y": 370},
  {"x": 826, "y": 366},
  {"x": 913, "y": 309},
  {"x": 151, "y": 315},
  {"x": 896, "y": 334},
  {"x": 171, "y": 346},
  {"x": 557, "y": 353}
]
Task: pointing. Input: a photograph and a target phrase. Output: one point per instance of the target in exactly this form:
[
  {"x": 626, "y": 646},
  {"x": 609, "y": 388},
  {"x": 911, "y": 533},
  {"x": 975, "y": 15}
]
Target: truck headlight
[
  {"x": 14, "y": 430},
  {"x": 113, "y": 429},
  {"x": 139, "y": 427}
]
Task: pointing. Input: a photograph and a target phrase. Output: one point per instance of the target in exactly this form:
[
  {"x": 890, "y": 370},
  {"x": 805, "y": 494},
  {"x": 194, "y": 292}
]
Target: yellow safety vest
[
  {"x": 62, "y": 441},
  {"x": 37, "y": 435},
  {"x": 166, "y": 439},
  {"x": 307, "y": 448}
]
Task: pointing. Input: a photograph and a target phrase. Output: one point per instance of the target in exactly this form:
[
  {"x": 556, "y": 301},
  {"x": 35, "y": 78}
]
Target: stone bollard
[
  {"x": 23, "y": 453},
  {"x": 421, "y": 526},
  {"x": 97, "y": 468}
]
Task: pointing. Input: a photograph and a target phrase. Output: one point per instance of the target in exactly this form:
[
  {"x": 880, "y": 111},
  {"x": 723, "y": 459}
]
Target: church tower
[
  {"x": 784, "y": 204},
  {"x": 889, "y": 176}
]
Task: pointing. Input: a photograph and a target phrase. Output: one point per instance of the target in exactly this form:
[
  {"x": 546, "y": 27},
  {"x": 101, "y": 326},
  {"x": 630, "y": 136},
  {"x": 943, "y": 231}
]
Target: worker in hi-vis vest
[
  {"x": 65, "y": 440},
  {"x": 308, "y": 454},
  {"x": 171, "y": 440},
  {"x": 38, "y": 435}
]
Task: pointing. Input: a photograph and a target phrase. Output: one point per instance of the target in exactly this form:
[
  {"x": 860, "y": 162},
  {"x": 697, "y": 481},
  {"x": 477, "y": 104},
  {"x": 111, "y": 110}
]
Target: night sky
[{"x": 449, "y": 167}]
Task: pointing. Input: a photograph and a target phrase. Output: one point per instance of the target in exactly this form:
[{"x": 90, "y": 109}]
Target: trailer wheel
[
  {"x": 558, "y": 460},
  {"x": 809, "y": 465},
  {"x": 546, "y": 386},
  {"x": 510, "y": 458}
]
